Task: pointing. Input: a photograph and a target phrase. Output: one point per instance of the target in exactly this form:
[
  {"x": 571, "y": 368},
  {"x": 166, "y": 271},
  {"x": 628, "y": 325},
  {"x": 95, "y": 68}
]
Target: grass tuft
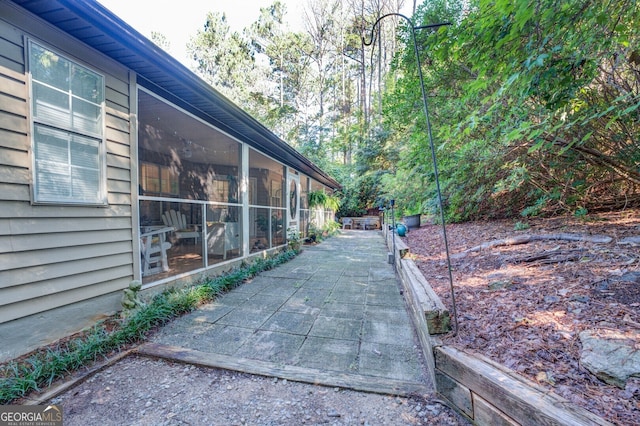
[{"x": 44, "y": 367}]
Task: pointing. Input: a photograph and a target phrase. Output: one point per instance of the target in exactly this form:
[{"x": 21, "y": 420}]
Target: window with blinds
[{"x": 67, "y": 107}]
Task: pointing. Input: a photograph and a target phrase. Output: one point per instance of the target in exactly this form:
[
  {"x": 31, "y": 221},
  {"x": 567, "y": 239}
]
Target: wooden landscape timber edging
[
  {"x": 485, "y": 392},
  {"x": 415, "y": 307},
  {"x": 39, "y": 398},
  {"x": 386, "y": 386},
  {"x": 435, "y": 313},
  {"x": 491, "y": 394}
]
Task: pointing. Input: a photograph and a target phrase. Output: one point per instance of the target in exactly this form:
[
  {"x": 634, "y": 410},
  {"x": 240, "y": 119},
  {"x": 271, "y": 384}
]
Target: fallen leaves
[{"x": 523, "y": 305}]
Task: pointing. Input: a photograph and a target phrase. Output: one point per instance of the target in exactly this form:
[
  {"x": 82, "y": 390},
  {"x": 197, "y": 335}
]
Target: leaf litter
[{"x": 523, "y": 305}]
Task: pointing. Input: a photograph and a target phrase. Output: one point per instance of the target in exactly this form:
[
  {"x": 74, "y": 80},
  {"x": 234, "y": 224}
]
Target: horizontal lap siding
[
  {"x": 11, "y": 51},
  {"x": 52, "y": 256}
]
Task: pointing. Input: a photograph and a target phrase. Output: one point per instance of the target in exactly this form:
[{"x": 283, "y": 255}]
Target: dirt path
[{"x": 144, "y": 391}]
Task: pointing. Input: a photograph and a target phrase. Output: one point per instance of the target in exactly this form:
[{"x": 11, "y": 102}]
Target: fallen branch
[
  {"x": 527, "y": 238},
  {"x": 532, "y": 258},
  {"x": 630, "y": 240},
  {"x": 627, "y": 320},
  {"x": 550, "y": 257}
]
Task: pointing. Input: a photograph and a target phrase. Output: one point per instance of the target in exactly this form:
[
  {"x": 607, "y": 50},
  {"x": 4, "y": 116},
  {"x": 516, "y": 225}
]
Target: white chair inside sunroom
[
  {"x": 178, "y": 221},
  {"x": 153, "y": 248},
  {"x": 222, "y": 237}
]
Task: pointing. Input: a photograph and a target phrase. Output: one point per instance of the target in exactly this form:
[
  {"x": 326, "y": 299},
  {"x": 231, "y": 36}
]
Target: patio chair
[
  {"x": 347, "y": 221},
  {"x": 178, "y": 221},
  {"x": 153, "y": 248},
  {"x": 222, "y": 237}
]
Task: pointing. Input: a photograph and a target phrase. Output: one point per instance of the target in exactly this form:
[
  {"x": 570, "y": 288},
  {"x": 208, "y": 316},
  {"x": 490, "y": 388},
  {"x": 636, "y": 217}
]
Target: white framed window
[
  {"x": 158, "y": 180},
  {"x": 67, "y": 110}
]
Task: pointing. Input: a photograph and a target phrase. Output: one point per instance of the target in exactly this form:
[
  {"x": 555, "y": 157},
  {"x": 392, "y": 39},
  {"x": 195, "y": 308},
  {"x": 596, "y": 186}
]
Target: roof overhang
[{"x": 96, "y": 26}]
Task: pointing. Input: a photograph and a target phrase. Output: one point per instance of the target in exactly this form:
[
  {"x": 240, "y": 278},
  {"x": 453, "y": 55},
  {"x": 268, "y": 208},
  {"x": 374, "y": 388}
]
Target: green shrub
[{"x": 44, "y": 366}]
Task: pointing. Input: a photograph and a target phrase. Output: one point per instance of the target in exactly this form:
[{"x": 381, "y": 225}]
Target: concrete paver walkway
[{"x": 334, "y": 315}]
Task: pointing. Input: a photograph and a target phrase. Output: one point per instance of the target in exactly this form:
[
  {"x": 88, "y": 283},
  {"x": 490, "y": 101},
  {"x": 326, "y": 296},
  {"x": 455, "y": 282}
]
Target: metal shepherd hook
[{"x": 431, "y": 144}]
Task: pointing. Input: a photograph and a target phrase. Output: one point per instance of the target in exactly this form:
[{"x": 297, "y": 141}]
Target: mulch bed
[{"x": 524, "y": 305}]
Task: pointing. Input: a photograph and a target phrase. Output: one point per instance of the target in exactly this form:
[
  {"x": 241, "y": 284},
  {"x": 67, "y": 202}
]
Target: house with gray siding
[{"x": 117, "y": 163}]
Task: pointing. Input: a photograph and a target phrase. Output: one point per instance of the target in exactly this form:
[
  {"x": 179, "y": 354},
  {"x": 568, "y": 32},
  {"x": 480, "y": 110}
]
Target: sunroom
[{"x": 205, "y": 198}]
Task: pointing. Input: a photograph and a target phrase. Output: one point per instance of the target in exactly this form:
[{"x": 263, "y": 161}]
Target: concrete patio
[{"x": 335, "y": 315}]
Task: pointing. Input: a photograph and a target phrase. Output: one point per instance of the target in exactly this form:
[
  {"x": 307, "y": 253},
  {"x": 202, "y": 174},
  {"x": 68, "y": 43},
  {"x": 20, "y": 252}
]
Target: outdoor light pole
[
  {"x": 431, "y": 144},
  {"x": 393, "y": 229}
]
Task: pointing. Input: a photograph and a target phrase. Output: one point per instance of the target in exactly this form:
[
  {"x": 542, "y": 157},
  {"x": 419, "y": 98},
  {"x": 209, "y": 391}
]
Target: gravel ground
[{"x": 143, "y": 391}]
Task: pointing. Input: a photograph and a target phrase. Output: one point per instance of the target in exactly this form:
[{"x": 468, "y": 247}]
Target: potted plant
[
  {"x": 317, "y": 199},
  {"x": 411, "y": 213},
  {"x": 293, "y": 239},
  {"x": 312, "y": 235},
  {"x": 412, "y": 221}
]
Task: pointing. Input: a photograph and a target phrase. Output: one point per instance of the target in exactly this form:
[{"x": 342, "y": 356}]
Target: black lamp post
[
  {"x": 431, "y": 144},
  {"x": 393, "y": 229}
]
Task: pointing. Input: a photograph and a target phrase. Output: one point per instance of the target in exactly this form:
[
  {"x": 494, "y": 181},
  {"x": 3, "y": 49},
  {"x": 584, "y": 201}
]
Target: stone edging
[{"x": 485, "y": 392}]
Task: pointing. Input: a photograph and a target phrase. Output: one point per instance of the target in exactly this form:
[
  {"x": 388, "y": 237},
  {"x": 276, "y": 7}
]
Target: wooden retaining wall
[{"x": 483, "y": 391}]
